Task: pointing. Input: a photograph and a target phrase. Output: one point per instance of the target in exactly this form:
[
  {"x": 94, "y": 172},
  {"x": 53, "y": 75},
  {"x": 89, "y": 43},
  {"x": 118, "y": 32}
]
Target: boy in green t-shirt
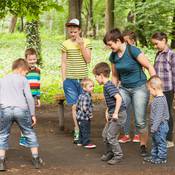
[{"x": 76, "y": 54}]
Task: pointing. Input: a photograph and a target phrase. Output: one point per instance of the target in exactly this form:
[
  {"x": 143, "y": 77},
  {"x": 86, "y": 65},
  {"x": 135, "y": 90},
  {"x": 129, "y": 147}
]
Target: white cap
[{"x": 73, "y": 22}]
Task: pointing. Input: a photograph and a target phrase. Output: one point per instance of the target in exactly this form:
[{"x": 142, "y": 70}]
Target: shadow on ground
[{"x": 62, "y": 157}]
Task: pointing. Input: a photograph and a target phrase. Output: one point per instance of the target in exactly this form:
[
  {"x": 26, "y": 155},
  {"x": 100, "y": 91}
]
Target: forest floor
[{"x": 62, "y": 157}]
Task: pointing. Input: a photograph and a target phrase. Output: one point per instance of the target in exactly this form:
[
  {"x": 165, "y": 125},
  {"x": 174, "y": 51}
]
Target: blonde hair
[
  {"x": 155, "y": 83},
  {"x": 85, "y": 81}
]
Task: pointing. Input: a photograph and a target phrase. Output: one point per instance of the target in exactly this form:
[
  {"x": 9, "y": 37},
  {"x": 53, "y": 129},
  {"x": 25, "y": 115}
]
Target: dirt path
[{"x": 62, "y": 157}]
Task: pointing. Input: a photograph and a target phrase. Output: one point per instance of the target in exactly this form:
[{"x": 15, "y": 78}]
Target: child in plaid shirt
[{"x": 84, "y": 113}]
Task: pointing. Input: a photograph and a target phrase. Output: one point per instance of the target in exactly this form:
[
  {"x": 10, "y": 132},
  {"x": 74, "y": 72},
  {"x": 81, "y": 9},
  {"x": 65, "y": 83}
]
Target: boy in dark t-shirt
[{"x": 116, "y": 114}]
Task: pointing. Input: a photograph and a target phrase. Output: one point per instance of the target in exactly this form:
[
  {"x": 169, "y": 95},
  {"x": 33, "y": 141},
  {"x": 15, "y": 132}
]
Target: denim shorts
[
  {"x": 23, "y": 119},
  {"x": 72, "y": 90},
  {"x": 138, "y": 97}
]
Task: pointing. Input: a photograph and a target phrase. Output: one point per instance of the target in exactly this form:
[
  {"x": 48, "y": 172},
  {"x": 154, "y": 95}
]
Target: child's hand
[
  {"x": 106, "y": 115},
  {"x": 38, "y": 103},
  {"x": 33, "y": 120},
  {"x": 115, "y": 116},
  {"x": 91, "y": 116},
  {"x": 80, "y": 41}
]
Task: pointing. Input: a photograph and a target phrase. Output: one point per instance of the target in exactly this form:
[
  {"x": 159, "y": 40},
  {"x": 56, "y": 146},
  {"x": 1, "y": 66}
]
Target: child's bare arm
[
  {"x": 117, "y": 106},
  {"x": 63, "y": 65},
  {"x": 86, "y": 52}
]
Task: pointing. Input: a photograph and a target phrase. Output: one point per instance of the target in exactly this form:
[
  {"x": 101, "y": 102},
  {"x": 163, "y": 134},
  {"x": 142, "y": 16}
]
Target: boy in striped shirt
[
  {"x": 33, "y": 77},
  {"x": 116, "y": 116},
  {"x": 159, "y": 117},
  {"x": 76, "y": 55}
]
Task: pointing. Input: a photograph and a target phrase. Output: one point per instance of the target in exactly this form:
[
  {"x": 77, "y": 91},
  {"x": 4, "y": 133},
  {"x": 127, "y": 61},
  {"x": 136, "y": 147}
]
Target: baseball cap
[{"x": 73, "y": 22}]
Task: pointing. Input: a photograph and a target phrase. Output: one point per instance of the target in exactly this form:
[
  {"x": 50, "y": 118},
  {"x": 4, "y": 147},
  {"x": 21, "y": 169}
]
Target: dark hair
[
  {"x": 20, "y": 63},
  {"x": 102, "y": 68},
  {"x": 30, "y": 51},
  {"x": 160, "y": 36},
  {"x": 131, "y": 35},
  {"x": 113, "y": 35}
]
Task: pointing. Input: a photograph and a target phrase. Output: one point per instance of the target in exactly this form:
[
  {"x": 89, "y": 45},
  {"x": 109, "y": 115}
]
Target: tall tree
[
  {"x": 91, "y": 15},
  {"x": 13, "y": 24},
  {"x": 109, "y": 15},
  {"x": 75, "y": 7},
  {"x": 173, "y": 32}
]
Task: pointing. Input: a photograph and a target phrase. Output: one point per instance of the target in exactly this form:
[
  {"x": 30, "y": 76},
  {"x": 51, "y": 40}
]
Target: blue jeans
[
  {"x": 23, "y": 119},
  {"x": 159, "y": 144},
  {"x": 138, "y": 97},
  {"x": 84, "y": 134},
  {"x": 72, "y": 90},
  {"x": 127, "y": 126}
]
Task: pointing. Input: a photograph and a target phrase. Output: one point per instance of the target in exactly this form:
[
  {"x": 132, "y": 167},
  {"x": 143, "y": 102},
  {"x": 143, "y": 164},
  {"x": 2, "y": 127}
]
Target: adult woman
[
  {"x": 127, "y": 62},
  {"x": 165, "y": 69}
]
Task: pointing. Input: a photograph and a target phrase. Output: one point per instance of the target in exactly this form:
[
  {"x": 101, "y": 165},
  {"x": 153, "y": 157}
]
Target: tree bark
[
  {"x": 93, "y": 27},
  {"x": 75, "y": 7},
  {"x": 13, "y": 24},
  {"x": 33, "y": 38},
  {"x": 109, "y": 15},
  {"x": 140, "y": 26},
  {"x": 173, "y": 32}
]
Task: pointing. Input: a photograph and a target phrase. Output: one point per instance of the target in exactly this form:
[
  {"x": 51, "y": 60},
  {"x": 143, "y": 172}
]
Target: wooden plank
[{"x": 61, "y": 114}]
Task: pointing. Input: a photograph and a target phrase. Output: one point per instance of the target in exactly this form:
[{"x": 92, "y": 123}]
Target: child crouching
[
  {"x": 116, "y": 114},
  {"x": 17, "y": 105}
]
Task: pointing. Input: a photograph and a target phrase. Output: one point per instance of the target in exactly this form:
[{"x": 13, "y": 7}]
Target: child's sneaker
[
  {"x": 22, "y": 141},
  {"x": 170, "y": 144},
  {"x": 148, "y": 159},
  {"x": 106, "y": 157},
  {"x": 76, "y": 136},
  {"x": 143, "y": 151},
  {"x": 37, "y": 162},
  {"x": 159, "y": 161},
  {"x": 90, "y": 146},
  {"x": 125, "y": 139},
  {"x": 2, "y": 165},
  {"x": 136, "y": 138},
  {"x": 114, "y": 161}
]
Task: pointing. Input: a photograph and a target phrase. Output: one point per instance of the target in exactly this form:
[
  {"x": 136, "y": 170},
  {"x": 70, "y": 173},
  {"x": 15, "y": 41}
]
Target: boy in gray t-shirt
[
  {"x": 17, "y": 105},
  {"x": 159, "y": 117}
]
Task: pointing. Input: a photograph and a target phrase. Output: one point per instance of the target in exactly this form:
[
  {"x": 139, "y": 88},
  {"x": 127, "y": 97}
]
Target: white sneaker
[{"x": 170, "y": 144}]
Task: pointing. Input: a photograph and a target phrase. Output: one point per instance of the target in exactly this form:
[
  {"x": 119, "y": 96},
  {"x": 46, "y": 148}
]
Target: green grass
[{"x": 12, "y": 46}]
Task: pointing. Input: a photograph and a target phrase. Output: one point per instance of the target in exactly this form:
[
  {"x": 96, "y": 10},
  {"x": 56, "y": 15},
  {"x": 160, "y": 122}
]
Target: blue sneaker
[{"x": 22, "y": 141}]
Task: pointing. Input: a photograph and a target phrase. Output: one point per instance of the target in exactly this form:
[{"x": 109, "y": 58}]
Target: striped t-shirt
[
  {"x": 110, "y": 90},
  {"x": 159, "y": 112},
  {"x": 76, "y": 67},
  {"x": 33, "y": 77}
]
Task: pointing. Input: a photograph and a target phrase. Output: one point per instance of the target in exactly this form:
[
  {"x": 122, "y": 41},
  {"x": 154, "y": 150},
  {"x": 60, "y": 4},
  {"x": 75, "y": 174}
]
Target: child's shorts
[
  {"x": 72, "y": 90},
  {"x": 23, "y": 119}
]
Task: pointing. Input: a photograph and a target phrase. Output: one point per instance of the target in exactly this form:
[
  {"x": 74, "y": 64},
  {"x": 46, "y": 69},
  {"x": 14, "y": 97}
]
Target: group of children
[{"x": 76, "y": 53}]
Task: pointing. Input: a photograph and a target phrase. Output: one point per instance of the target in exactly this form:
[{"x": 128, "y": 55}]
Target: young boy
[
  {"x": 76, "y": 54},
  {"x": 116, "y": 114},
  {"x": 84, "y": 113},
  {"x": 33, "y": 77},
  {"x": 159, "y": 122},
  {"x": 17, "y": 105},
  {"x": 131, "y": 39}
]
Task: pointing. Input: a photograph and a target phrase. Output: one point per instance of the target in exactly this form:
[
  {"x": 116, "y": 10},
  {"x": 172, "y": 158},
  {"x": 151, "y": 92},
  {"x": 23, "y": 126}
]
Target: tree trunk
[
  {"x": 109, "y": 15},
  {"x": 173, "y": 32},
  {"x": 75, "y": 7},
  {"x": 13, "y": 24},
  {"x": 93, "y": 27},
  {"x": 22, "y": 24},
  {"x": 33, "y": 38},
  {"x": 140, "y": 26}
]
